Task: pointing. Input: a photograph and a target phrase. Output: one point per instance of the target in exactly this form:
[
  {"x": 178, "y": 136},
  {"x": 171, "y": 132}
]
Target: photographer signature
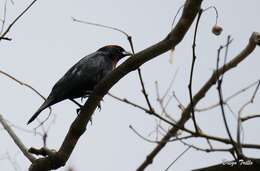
[{"x": 240, "y": 162}]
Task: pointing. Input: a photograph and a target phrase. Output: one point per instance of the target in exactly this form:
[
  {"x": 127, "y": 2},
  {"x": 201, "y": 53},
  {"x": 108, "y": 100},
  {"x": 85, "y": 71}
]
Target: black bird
[{"x": 81, "y": 79}]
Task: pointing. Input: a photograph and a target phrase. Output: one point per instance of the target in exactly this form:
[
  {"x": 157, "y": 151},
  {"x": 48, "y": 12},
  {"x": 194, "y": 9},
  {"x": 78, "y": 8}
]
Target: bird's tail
[{"x": 46, "y": 104}]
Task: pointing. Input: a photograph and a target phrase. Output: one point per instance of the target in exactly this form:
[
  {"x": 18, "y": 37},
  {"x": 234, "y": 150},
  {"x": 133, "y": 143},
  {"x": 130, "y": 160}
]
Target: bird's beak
[{"x": 125, "y": 53}]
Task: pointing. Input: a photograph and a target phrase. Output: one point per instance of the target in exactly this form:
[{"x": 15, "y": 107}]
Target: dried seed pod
[{"x": 216, "y": 30}]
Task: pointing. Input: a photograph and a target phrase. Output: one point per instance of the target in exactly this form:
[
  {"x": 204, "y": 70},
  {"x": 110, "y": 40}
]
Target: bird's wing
[{"x": 82, "y": 76}]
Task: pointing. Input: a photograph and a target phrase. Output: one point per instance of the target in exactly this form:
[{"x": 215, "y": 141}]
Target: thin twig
[
  {"x": 220, "y": 94},
  {"x": 35, "y": 91},
  {"x": 4, "y": 18},
  {"x": 207, "y": 137},
  {"x": 209, "y": 143},
  {"x": 41, "y": 123},
  {"x": 200, "y": 134},
  {"x": 165, "y": 112},
  {"x": 239, "y": 121},
  {"x": 161, "y": 99},
  {"x": 254, "y": 40},
  {"x": 155, "y": 141},
  {"x": 226, "y": 100},
  {"x": 148, "y": 111},
  {"x": 141, "y": 136},
  {"x": 129, "y": 102},
  {"x": 250, "y": 117},
  {"x": 144, "y": 90},
  {"x": 254, "y": 94},
  {"x": 100, "y": 25},
  {"x": 177, "y": 158},
  {"x": 170, "y": 84},
  {"x": 216, "y": 12},
  {"x": 16, "y": 140},
  {"x": 23, "y": 129},
  {"x": 206, "y": 150},
  {"x": 31, "y": 88},
  {"x": 23, "y": 84},
  {"x": 16, "y": 19},
  {"x": 180, "y": 104},
  {"x": 192, "y": 70}
]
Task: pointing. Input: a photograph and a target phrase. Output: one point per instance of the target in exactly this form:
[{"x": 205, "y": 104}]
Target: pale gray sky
[{"x": 46, "y": 43}]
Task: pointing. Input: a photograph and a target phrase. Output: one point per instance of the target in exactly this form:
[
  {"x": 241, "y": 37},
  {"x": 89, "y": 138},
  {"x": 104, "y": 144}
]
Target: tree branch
[
  {"x": 16, "y": 140},
  {"x": 220, "y": 94},
  {"x": 253, "y": 41},
  {"x": 250, "y": 117},
  {"x": 192, "y": 70},
  {"x": 23, "y": 84},
  {"x": 15, "y": 20},
  {"x": 78, "y": 127}
]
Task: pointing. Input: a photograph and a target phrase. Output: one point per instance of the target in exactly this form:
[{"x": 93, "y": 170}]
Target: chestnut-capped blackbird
[{"x": 81, "y": 79}]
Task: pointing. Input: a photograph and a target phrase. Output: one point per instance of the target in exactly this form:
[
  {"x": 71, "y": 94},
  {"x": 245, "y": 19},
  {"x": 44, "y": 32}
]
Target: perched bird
[{"x": 81, "y": 79}]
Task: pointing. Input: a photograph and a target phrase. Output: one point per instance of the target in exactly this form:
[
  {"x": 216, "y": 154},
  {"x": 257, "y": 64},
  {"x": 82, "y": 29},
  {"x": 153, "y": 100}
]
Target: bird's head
[{"x": 115, "y": 52}]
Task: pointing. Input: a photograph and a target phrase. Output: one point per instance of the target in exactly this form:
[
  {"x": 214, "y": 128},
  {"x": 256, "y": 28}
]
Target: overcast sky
[{"x": 46, "y": 43}]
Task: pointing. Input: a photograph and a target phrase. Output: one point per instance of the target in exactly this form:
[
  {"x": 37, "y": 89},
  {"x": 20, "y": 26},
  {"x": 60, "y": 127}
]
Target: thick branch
[
  {"x": 79, "y": 125},
  {"x": 253, "y": 41}
]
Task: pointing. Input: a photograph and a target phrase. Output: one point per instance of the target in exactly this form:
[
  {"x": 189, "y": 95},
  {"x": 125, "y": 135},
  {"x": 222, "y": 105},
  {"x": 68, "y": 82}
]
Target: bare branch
[
  {"x": 144, "y": 90},
  {"x": 161, "y": 99},
  {"x": 253, "y": 41},
  {"x": 239, "y": 121},
  {"x": 180, "y": 104},
  {"x": 78, "y": 127},
  {"x": 216, "y": 12},
  {"x": 157, "y": 115},
  {"x": 170, "y": 84},
  {"x": 250, "y": 117},
  {"x": 23, "y": 84},
  {"x": 220, "y": 94},
  {"x": 130, "y": 103},
  {"x": 16, "y": 19},
  {"x": 23, "y": 129},
  {"x": 31, "y": 88},
  {"x": 155, "y": 141},
  {"x": 207, "y": 150},
  {"x": 193, "y": 134},
  {"x": 192, "y": 70},
  {"x": 16, "y": 140},
  {"x": 177, "y": 158},
  {"x": 226, "y": 100},
  {"x": 4, "y": 18},
  {"x": 101, "y": 25}
]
